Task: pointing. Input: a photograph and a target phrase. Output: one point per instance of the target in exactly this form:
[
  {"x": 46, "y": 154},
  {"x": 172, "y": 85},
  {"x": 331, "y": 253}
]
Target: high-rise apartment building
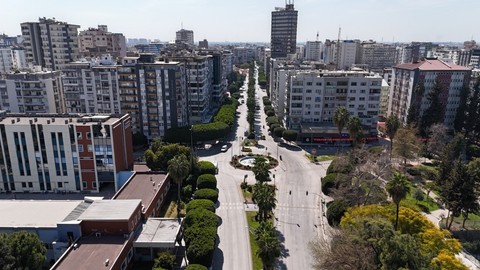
[
  {"x": 153, "y": 93},
  {"x": 348, "y": 54},
  {"x": 185, "y": 36},
  {"x": 32, "y": 92},
  {"x": 412, "y": 83},
  {"x": 91, "y": 86},
  {"x": 98, "y": 41},
  {"x": 315, "y": 94},
  {"x": 284, "y": 31},
  {"x": 50, "y": 43},
  {"x": 11, "y": 59},
  {"x": 313, "y": 51},
  {"x": 377, "y": 56},
  {"x": 53, "y": 153}
]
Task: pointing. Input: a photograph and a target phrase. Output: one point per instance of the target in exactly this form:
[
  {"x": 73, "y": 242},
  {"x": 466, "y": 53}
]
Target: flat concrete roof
[
  {"x": 32, "y": 214},
  {"x": 110, "y": 210},
  {"x": 158, "y": 232},
  {"x": 92, "y": 252},
  {"x": 143, "y": 187},
  {"x": 54, "y": 119}
]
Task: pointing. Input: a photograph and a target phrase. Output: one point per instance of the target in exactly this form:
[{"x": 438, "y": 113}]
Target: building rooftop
[
  {"x": 24, "y": 214},
  {"x": 158, "y": 232},
  {"x": 58, "y": 119},
  {"x": 143, "y": 187},
  {"x": 92, "y": 252},
  {"x": 431, "y": 65},
  {"x": 110, "y": 210}
]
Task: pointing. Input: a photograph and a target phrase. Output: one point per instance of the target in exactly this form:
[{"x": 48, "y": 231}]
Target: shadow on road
[
  {"x": 218, "y": 259},
  {"x": 284, "y": 253},
  {"x": 290, "y": 147}
]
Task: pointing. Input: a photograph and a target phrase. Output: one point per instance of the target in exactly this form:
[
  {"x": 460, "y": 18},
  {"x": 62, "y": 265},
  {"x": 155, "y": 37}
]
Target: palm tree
[
  {"x": 178, "y": 168},
  {"x": 261, "y": 169},
  {"x": 268, "y": 244},
  {"x": 340, "y": 118},
  {"x": 392, "y": 124},
  {"x": 264, "y": 197},
  {"x": 355, "y": 129},
  {"x": 398, "y": 189}
]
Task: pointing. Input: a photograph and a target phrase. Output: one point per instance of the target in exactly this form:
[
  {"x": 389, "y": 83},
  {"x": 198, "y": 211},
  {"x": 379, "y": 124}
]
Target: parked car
[{"x": 224, "y": 148}]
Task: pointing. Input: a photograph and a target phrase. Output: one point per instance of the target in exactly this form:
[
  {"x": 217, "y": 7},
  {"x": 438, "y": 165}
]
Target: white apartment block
[
  {"x": 407, "y": 77},
  {"x": 313, "y": 51},
  {"x": 348, "y": 54},
  {"x": 6, "y": 60},
  {"x": 91, "y": 86},
  {"x": 50, "y": 43},
  {"x": 63, "y": 153},
  {"x": 32, "y": 92},
  {"x": 314, "y": 96}
]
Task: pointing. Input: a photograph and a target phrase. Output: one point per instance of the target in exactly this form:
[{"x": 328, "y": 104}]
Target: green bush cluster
[
  {"x": 226, "y": 114},
  {"x": 201, "y": 203},
  {"x": 196, "y": 267},
  {"x": 339, "y": 165},
  {"x": 206, "y": 167},
  {"x": 200, "y": 232},
  {"x": 207, "y": 181},
  {"x": 335, "y": 212},
  {"x": 332, "y": 180},
  {"x": 207, "y": 193}
]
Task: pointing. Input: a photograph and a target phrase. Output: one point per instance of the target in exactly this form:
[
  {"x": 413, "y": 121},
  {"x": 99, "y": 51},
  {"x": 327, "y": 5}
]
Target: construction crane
[{"x": 337, "y": 53}]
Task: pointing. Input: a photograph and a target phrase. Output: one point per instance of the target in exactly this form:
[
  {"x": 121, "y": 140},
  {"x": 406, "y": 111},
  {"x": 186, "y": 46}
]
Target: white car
[{"x": 224, "y": 148}]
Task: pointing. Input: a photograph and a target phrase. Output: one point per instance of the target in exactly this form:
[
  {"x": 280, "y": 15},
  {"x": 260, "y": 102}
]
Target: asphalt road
[{"x": 299, "y": 217}]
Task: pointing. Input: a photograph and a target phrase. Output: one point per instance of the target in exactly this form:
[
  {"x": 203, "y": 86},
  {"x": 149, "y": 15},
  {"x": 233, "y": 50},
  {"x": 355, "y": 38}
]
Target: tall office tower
[
  {"x": 50, "y": 43},
  {"x": 348, "y": 54},
  {"x": 32, "y": 92},
  {"x": 413, "y": 82},
  {"x": 313, "y": 51},
  {"x": 184, "y": 36},
  {"x": 98, "y": 41},
  {"x": 284, "y": 31},
  {"x": 153, "y": 93},
  {"x": 91, "y": 86}
]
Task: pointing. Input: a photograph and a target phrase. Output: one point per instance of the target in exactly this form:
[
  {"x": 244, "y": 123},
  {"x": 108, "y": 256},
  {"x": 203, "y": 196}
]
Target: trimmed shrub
[
  {"x": 193, "y": 232},
  {"x": 335, "y": 212},
  {"x": 208, "y": 194},
  {"x": 187, "y": 192},
  {"x": 278, "y": 131},
  {"x": 200, "y": 251},
  {"x": 290, "y": 135},
  {"x": 207, "y": 181},
  {"x": 273, "y": 126},
  {"x": 200, "y": 204},
  {"x": 340, "y": 165},
  {"x": 267, "y": 108},
  {"x": 196, "y": 267},
  {"x": 267, "y": 102},
  {"x": 201, "y": 217},
  {"x": 270, "y": 113},
  {"x": 272, "y": 120},
  {"x": 206, "y": 167}
]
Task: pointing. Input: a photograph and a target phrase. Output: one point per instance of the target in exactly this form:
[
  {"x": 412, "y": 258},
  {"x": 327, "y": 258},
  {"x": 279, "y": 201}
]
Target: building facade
[
  {"x": 91, "y": 86},
  {"x": 412, "y": 83},
  {"x": 313, "y": 51},
  {"x": 314, "y": 96},
  {"x": 377, "y": 56},
  {"x": 32, "y": 92},
  {"x": 284, "y": 31},
  {"x": 63, "y": 153},
  {"x": 98, "y": 41},
  {"x": 185, "y": 36},
  {"x": 50, "y": 43}
]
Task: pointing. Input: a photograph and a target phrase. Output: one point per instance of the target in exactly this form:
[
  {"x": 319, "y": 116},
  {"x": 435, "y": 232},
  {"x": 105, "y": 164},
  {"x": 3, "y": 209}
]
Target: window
[
  {"x": 84, "y": 184},
  {"x": 362, "y": 91},
  {"x": 89, "y": 135},
  {"x": 80, "y": 148},
  {"x": 319, "y": 83},
  {"x": 89, "y": 148},
  {"x": 60, "y": 185},
  {"x": 353, "y": 83},
  {"x": 363, "y": 84},
  {"x": 94, "y": 184},
  {"x": 30, "y": 184},
  {"x": 309, "y": 83},
  {"x": 308, "y": 98},
  {"x": 79, "y": 136},
  {"x": 24, "y": 184}
]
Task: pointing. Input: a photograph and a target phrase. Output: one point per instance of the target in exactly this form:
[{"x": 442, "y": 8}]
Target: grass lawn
[
  {"x": 320, "y": 158},
  {"x": 252, "y": 225},
  {"x": 425, "y": 206},
  {"x": 472, "y": 223},
  {"x": 247, "y": 195},
  {"x": 169, "y": 207}
]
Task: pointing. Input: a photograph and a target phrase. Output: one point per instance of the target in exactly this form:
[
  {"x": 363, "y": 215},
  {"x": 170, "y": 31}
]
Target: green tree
[
  {"x": 27, "y": 249},
  {"x": 460, "y": 117},
  {"x": 335, "y": 212},
  {"x": 164, "y": 260},
  {"x": 473, "y": 112},
  {"x": 392, "y": 125},
  {"x": 418, "y": 195},
  {"x": 407, "y": 145},
  {"x": 207, "y": 181},
  {"x": 397, "y": 188},
  {"x": 340, "y": 118},
  {"x": 178, "y": 169},
  {"x": 290, "y": 135},
  {"x": 264, "y": 197},
  {"x": 201, "y": 203},
  {"x": 261, "y": 169},
  {"x": 7, "y": 261},
  {"x": 268, "y": 244},
  {"x": 196, "y": 267},
  {"x": 354, "y": 126},
  {"x": 435, "y": 112},
  {"x": 278, "y": 132},
  {"x": 206, "y": 193}
]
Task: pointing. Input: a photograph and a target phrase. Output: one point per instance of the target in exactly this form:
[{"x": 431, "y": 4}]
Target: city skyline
[{"x": 365, "y": 19}]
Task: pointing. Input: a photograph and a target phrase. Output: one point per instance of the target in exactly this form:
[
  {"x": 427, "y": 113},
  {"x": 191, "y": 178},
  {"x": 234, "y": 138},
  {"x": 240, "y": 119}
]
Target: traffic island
[{"x": 246, "y": 162}]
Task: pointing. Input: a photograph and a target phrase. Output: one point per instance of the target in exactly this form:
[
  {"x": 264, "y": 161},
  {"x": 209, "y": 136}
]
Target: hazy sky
[{"x": 249, "y": 20}]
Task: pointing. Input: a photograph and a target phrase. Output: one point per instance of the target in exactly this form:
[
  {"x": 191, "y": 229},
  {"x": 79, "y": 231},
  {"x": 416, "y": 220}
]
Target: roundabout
[{"x": 247, "y": 162}]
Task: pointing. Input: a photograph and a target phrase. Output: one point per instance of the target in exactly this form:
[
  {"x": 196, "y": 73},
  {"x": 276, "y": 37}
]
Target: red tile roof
[{"x": 432, "y": 65}]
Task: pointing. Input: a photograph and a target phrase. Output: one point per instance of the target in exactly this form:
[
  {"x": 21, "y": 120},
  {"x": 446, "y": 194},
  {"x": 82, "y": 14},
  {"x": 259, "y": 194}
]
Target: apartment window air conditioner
[{"x": 98, "y": 234}]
